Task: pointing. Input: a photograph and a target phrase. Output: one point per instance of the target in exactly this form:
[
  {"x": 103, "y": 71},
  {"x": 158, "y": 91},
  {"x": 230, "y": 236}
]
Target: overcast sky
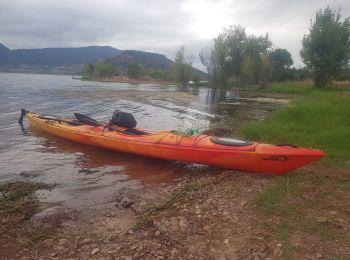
[{"x": 158, "y": 26}]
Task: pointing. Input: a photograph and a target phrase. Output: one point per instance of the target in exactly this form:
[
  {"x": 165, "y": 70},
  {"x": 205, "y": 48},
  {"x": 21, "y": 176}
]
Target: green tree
[
  {"x": 258, "y": 48},
  {"x": 206, "y": 56},
  {"x": 248, "y": 70},
  {"x": 344, "y": 74},
  {"x": 181, "y": 68},
  {"x": 103, "y": 70},
  {"x": 88, "y": 71},
  {"x": 281, "y": 61},
  {"x": 196, "y": 80},
  {"x": 134, "y": 70},
  {"x": 235, "y": 57},
  {"x": 265, "y": 71},
  {"x": 236, "y": 41},
  {"x": 326, "y": 49}
]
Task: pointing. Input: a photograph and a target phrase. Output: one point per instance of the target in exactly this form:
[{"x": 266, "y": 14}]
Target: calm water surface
[{"x": 85, "y": 174}]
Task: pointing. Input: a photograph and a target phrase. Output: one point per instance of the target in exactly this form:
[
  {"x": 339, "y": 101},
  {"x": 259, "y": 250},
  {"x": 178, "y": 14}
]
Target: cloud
[{"x": 157, "y": 25}]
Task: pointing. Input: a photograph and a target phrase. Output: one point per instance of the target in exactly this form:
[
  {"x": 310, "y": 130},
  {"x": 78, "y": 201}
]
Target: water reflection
[{"x": 215, "y": 95}]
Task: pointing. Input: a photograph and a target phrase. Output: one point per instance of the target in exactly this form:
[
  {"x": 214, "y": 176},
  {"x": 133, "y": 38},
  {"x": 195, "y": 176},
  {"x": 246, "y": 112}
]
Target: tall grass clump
[{"x": 321, "y": 120}]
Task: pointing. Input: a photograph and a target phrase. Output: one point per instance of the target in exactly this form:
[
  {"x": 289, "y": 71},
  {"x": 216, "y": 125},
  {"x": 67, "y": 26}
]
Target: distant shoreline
[{"x": 126, "y": 79}]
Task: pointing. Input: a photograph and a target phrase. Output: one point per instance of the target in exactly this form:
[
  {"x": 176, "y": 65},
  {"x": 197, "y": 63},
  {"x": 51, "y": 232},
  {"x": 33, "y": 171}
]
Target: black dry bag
[{"x": 123, "y": 119}]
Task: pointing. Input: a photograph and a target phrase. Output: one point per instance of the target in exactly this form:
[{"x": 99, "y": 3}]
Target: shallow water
[{"x": 84, "y": 174}]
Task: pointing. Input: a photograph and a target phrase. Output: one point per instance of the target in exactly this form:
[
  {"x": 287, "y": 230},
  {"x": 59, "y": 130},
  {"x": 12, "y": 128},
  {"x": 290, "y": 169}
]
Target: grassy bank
[
  {"x": 310, "y": 204},
  {"x": 318, "y": 119}
]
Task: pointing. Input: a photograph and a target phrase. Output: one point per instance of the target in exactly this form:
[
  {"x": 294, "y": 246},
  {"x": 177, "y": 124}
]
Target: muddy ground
[{"x": 224, "y": 215}]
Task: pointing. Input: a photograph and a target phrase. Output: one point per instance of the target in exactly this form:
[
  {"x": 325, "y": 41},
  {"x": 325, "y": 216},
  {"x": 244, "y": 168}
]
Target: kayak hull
[{"x": 255, "y": 157}]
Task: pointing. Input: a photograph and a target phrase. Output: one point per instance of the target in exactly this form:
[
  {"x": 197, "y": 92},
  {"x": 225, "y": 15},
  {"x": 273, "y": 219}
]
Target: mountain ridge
[
  {"x": 72, "y": 59},
  {"x": 147, "y": 59}
]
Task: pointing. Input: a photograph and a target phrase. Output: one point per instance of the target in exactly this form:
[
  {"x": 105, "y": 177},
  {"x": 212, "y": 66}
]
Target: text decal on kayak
[{"x": 275, "y": 158}]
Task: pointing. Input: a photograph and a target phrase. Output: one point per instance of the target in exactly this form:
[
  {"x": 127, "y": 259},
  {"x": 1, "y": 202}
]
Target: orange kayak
[{"x": 168, "y": 145}]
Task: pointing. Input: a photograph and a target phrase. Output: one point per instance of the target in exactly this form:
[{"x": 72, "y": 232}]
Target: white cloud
[{"x": 158, "y": 25}]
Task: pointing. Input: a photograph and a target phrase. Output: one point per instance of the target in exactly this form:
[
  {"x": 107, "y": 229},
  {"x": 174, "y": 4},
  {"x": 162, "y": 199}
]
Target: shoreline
[{"x": 126, "y": 79}]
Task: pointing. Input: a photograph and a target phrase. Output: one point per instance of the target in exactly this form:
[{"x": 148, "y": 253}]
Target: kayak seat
[{"x": 134, "y": 131}]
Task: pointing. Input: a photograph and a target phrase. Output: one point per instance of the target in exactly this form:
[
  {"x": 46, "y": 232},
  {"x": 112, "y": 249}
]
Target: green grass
[
  {"x": 271, "y": 199},
  {"x": 320, "y": 120},
  {"x": 300, "y": 88},
  {"x": 292, "y": 204},
  {"x": 297, "y": 87}
]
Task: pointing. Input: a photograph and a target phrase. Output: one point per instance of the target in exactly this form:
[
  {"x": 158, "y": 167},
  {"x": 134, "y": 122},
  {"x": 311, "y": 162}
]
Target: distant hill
[
  {"x": 53, "y": 60},
  {"x": 72, "y": 60},
  {"x": 147, "y": 60}
]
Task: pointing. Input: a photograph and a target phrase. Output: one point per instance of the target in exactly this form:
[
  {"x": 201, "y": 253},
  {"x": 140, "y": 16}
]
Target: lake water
[{"x": 84, "y": 174}]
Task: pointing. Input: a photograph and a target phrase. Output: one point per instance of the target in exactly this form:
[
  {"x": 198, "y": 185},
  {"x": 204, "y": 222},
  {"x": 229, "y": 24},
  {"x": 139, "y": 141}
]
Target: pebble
[
  {"x": 62, "y": 241},
  {"x": 86, "y": 241},
  {"x": 134, "y": 247},
  {"x": 49, "y": 242},
  {"x": 277, "y": 251},
  {"x": 243, "y": 203},
  {"x": 173, "y": 251},
  {"x": 95, "y": 251},
  {"x": 258, "y": 256},
  {"x": 61, "y": 248},
  {"x": 157, "y": 233},
  {"x": 122, "y": 200},
  {"x": 125, "y": 203},
  {"x": 322, "y": 219}
]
